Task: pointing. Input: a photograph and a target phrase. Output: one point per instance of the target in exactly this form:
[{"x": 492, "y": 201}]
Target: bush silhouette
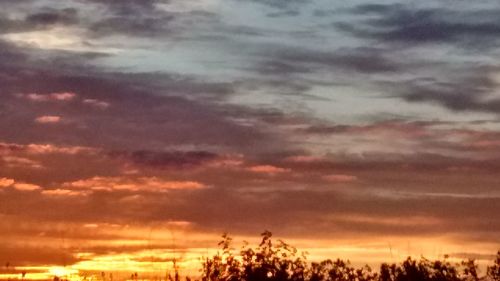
[
  {"x": 494, "y": 270},
  {"x": 266, "y": 262},
  {"x": 281, "y": 262}
]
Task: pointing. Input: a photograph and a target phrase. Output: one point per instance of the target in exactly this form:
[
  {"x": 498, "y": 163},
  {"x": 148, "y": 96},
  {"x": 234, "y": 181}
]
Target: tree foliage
[
  {"x": 280, "y": 261},
  {"x": 494, "y": 270}
]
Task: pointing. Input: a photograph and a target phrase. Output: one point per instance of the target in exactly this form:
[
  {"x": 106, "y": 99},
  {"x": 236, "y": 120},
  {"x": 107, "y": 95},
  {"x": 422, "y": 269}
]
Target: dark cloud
[
  {"x": 289, "y": 71},
  {"x": 281, "y": 4},
  {"x": 128, "y": 7},
  {"x": 277, "y": 67},
  {"x": 407, "y": 24},
  {"x": 289, "y": 13},
  {"x": 145, "y": 19},
  {"x": 26, "y": 256},
  {"x": 143, "y": 26},
  {"x": 49, "y": 17},
  {"x": 332, "y": 129},
  {"x": 10, "y": 55},
  {"x": 362, "y": 60},
  {"x": 280, "y": 8},
  {"x": 16, "y": 4},
  {"x": 297, "y": 72},
  {"x": 173, "y": 159},
  {"x": 143, "y": 110},
  {"x": 43, "y": 19},
  {"x": 130, "y": 18},
  {"x": 473, "y": 90}
]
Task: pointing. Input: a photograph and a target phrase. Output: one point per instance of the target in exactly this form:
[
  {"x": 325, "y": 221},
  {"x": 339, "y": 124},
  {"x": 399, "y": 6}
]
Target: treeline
[{"x": 278, "y": 261}]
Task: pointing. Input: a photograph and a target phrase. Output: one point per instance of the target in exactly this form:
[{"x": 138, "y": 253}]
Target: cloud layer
[{"x": 347, "y": 124}]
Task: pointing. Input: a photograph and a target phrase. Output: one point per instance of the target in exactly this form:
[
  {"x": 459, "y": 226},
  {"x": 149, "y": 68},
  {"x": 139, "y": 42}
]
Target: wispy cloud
[
  {"x": 47, "y": 119},
  {"x": 134, "y": 184},
  {"x": 63, "y": 96}
]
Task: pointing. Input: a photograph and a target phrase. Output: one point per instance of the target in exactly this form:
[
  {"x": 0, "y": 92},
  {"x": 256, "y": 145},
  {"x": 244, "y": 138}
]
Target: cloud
[
  {"x": 339, "y": 178},
  {"x": 44, "y": 19},
  {"x": 151, "y": 19},
  {"x": 285, "y": 61},
  {"x": 281, "y": 4},
  {"x": 148, "y": 184},
  {"x": 13, "y": 161},
  {"x": 273, "y": 143},
  {"x": 27, "y": 256},
  {"x": 64, "y": 192},
  {"x": 127, "y": 6},
  {"x": 401, "y": 127},
  {"x": 32, "y": 148},
  {"x": 26, "y": 186},
  {"x": 167, "y": 159},
  {"x": 97, "y": 103},
  {"x": 144, "y": 26},
  {"x": 167, "y": 114},
  {"x": 48, "y": 148},
  {"x": 48, "y": 17},
  {"x": 268, "y": 169},
  {"x": 47, "y": 119},
  {"x": 304, "y": 159},
  {"x": 399, "y": 23},
  {"x": 62, "y": 96},
  {"x": 6, "y": 182},
  {"x": 474, "y": 92}
]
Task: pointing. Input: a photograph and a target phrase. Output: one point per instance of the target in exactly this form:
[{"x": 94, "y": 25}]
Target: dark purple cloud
[
  {"x": 169, "y": 159},
  {"x": 281, "y": 4},
  {"x": 407, "y": 24},
  {"x": 40, "y": 20}
]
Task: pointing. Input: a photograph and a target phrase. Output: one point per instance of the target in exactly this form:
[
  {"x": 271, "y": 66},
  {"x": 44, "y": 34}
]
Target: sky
[{"x": 136, "y": 132}]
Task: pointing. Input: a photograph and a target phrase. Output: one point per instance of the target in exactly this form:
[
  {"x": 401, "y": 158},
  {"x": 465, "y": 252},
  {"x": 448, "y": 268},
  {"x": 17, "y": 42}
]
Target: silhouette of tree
[
  {"x": 470, "y": 270},
  {"x": 265, "y": 262},
  {"x": 281, "y": 262},
  {"x": 493, "y": 271},
  {"x": 340, "y": 270},
  {"x": 422, "y": 270}
]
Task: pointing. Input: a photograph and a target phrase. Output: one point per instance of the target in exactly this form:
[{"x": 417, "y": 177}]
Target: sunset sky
[{"x": 133, "y": 132}]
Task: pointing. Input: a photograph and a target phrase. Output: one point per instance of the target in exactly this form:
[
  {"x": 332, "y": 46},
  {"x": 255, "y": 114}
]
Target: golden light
[{"x": 62, "y": 271}]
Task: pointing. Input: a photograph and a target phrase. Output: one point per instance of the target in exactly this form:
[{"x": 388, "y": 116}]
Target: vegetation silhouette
[
  {"x": 279, "y": 261},
  {"x": 282, "y": 262}
]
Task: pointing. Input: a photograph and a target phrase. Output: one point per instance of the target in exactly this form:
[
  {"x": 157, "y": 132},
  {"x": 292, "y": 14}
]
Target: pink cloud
[
  {"x": 391, "y": 128},
  {"x": 179, "y": 223},
  {"x": 91, "y": 225},
  {"x": 59, "y": 96},
  {"x": 7, "y": 148},
  {"x": 63, "y": 96},
  {"x": 304, "y": 159},
  {"x": 97, "y": 103},
  {"x": 228, "y": 161},
  {"x": 268, "y": 169},
  {"x": 49, "y": 148},
  {"x": 339, "y": 178},
  {"x": 36, "y": 97},
  {"x": 6, "y": 182},
  {"x": 64, "y": 192},
  {"x": 486, "y": 144},
  {"x": 133, "y": 184},
  {"x": 15, "y": 161},
  {"x": 47, "y": 119},
  {"x": 26, "y": 186}
]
